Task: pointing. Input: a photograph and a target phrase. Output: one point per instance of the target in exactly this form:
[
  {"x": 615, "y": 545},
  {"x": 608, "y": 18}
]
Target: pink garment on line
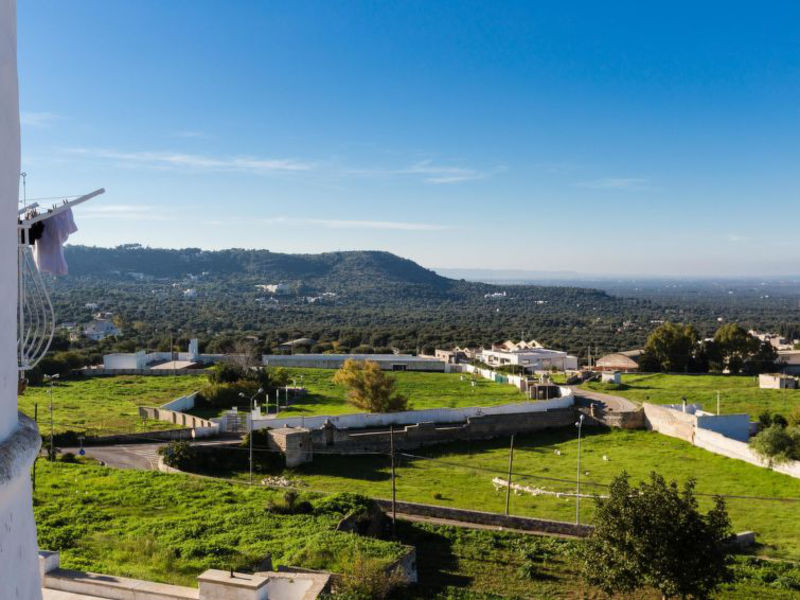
[{"x": 49, "y": 253}]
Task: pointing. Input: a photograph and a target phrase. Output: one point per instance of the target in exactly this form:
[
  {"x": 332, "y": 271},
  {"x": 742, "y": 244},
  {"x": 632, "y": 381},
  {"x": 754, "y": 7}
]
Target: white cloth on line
[{"x": 49, "y": 252}]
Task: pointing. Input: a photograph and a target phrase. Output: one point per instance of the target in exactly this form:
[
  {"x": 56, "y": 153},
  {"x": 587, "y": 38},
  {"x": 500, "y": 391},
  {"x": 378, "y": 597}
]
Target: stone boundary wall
[
  {"x": 143, "y": 437},
  {"x": 487, "y": 518},
  {"x": 199, "y": 427},
  {"x": 411, "y": 417},
  {"x": 329, "y": 440},
  {"x": 154, "y": 373}
]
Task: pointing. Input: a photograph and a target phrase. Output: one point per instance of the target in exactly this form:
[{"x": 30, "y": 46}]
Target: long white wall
[{"x": 411, "y": 417}]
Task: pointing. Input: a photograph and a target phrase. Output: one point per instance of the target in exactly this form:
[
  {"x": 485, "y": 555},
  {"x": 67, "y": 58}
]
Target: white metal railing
[{"x": 36, "y": 324}]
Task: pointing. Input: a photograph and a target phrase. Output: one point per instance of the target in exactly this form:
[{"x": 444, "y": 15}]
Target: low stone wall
[
  {"x": 487, "y": 518},
  {"x": 153, "y": 372},
  {"x": 142, "y": 437},
  {"x": 410, "y": 417},
  {"x": 200, "y": 427},
  {"x": 331, "y": 440}
]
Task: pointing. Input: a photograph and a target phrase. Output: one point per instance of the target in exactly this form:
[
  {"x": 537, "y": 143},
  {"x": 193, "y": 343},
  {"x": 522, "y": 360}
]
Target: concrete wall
[
  {"x": 329, "y": 440},
  {"x": 719, "y": 444},
  {"x": 410, "y": 417},
  {"x": 182, "y": 403},
  {"x": 669, "y": 422},
  {"x": 19, "y": 439},
  {"x": 685, "y": 426},
  {"x": 736, "y": 427},
  {"x": 335, "y": 361},
  {"x": 150, "y": 372}
]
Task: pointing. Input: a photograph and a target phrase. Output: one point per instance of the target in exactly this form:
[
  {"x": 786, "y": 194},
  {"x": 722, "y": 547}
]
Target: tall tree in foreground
[
  {"x": 369, "y": 388},
  {"x": 654, "y": 535}
]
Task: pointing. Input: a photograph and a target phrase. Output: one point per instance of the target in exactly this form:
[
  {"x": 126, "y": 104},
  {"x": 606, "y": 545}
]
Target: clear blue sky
[{"x": 622, "y": 137}]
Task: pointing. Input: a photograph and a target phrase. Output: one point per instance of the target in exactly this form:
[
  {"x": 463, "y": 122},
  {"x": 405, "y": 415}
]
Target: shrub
[
  {"x": 777, "y": 444},
  {"x": 367, "y": 578},
  {"x": 178, "y": 455}
]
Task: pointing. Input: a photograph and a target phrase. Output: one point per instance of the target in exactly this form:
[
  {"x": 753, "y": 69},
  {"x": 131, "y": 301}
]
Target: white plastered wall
[{"x": 19, "y": 442}]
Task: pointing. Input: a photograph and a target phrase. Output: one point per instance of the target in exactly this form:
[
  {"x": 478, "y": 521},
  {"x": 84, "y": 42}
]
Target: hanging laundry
[
  {"x": 49, "y": 251},
  {"x": 34, "y": 233}
]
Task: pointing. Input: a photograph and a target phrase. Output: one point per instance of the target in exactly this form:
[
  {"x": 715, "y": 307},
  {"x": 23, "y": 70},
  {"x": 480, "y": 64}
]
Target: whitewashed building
[
  {"x": 100, "y": 329},
  {"x": 19, "y": 437},
  {"x": 532, "y": 359}
]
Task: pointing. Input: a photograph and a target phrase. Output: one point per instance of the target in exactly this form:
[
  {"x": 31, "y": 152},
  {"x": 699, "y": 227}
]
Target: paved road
[
  {"x": 607, "y": 402},
  {"x": 133, "y": 456}
]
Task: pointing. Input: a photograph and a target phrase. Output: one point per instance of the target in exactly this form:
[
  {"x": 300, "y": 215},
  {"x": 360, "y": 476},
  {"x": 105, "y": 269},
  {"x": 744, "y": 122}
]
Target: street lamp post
[
  {"x": 579, "y": 425},
  {"x": 250, "y": 422}
]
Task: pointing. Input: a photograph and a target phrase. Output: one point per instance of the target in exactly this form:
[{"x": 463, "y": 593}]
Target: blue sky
[{"x": 623, "y": 137}]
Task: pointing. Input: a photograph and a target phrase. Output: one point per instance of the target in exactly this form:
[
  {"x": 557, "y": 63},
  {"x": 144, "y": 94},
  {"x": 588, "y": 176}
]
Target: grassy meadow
[
  {"x": 738, "y": 393},
  {"x": 461, "y": 476},
  {"x": 105, "y": 405},
  {"x": 424, "y": 390},
  {"x": 170, "y": 528}
]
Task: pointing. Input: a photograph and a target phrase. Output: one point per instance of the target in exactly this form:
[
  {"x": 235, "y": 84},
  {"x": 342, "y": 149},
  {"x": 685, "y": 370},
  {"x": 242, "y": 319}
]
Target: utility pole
[
  {"x": 35, "y": 460},
  {"x": 394, "y": 488},
  {"x": 579, "y": 425},
  {"x": 510, "y": 465},
  {"x": 51, "y": 378},
  {"x": 250, "y": 423}
]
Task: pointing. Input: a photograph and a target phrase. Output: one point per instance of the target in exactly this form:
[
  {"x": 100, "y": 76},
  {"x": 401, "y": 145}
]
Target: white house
[
  {"x": 100, "y": 329},
  {"x": 532, "y": 359},
  {"x": 276, "y": 288}
]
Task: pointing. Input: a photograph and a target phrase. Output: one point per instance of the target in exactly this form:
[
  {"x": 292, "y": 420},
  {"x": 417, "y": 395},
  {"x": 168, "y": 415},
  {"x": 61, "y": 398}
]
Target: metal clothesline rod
[
  {"x": 26, "y": 208},
  {"x": 59, "y": 209}
]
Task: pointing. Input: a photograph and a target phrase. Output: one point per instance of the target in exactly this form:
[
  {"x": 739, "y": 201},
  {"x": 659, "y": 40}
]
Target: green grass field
[
  {"x": 461, "y": 476},
  {"x": 170, "y": 528},
  {"x": 105, "y": 405},
  {"x": 738, "y": 394},
  {"x": 424, "y": 390}
]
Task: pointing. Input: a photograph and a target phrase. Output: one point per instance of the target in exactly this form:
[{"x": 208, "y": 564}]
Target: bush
[
  {"x": 777, "y": 444},
  {"x": 367, "y": 578},
  {"x": 178, "y": 455}
]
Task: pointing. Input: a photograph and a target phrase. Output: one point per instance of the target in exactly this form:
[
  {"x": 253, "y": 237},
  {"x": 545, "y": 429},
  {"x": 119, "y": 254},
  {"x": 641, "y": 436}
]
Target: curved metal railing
[{"x": 36, "y": 324}]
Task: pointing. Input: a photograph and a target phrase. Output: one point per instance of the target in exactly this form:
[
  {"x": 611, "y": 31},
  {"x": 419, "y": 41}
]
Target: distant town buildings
[
  {"x": 299, "y": 342},
  {"x": 278, "y": 289},
  {"x": 777, "y": 381},
  {"x": 530, "y": 355},
  {"x": 100, "y": 329},
  {"x": 190, "y": 293},
  {"x": 776, "y": 340}
]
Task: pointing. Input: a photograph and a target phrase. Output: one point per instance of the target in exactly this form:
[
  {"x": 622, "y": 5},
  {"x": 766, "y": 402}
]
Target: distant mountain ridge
[
  {"x": 362, "y": 267},
  {"x": 360, "y": 271}
]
